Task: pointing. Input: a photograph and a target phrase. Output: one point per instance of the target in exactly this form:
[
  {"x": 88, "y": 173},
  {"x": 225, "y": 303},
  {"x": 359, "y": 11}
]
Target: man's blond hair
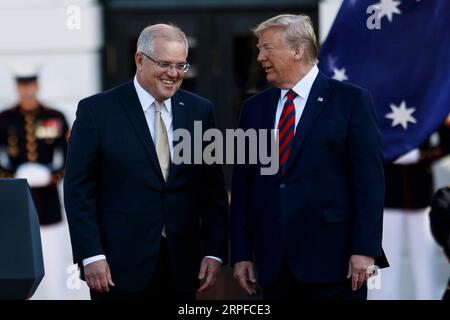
[{"x": 299, "y": 32}]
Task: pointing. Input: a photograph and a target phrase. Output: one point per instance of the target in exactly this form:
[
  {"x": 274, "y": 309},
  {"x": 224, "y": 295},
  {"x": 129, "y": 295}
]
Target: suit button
[{"x": 282, "y": 186}]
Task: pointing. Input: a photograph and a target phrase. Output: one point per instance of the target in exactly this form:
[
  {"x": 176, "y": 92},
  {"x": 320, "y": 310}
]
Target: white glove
[
  {"x": 37, "y": 174},
  {"x": 410, "y": 157}
]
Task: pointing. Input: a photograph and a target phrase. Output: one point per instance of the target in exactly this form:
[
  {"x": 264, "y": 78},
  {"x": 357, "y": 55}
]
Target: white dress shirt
[
  {"x": 146, "y": 100},
  {"x": 302, "y": 88}
]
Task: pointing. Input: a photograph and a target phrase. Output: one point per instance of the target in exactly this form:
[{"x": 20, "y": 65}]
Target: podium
[{"x": 21, "y": 261}]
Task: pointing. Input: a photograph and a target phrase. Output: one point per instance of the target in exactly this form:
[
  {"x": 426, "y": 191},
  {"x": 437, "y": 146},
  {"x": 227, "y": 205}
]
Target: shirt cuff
[
  {"x": 215, "y": 258},
  {"x": 93, "y": 259}
]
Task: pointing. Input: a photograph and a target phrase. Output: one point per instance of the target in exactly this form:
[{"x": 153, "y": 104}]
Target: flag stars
[
  {"x": 401, "y": 115},
  {"x": 388, "y": 8},
  {"x": 339, "y": 74},
  {"x": 331, "y": 61}
]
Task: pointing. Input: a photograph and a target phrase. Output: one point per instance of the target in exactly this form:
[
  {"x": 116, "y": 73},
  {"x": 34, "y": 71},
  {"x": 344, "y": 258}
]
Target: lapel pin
[
  {"x": 320, "y": 99},
  {"x": 181, "y": 103}
]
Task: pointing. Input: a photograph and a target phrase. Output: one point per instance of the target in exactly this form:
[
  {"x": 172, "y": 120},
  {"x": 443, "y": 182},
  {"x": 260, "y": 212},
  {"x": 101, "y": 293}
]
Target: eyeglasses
[{"x": 166, "y": 65}]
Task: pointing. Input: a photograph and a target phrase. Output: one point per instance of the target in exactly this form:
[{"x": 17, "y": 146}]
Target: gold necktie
[
  {"x": 161, "y": 141},
  {"x": 162, "y": 146}
]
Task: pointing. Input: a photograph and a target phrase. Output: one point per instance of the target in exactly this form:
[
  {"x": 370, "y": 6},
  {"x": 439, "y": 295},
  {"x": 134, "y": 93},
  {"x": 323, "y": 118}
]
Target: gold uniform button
[
  {"x": 13, "y": 151},
  {"x": 31, "y": 137},
  {"x": 31, "y": 147},
  {"x": 29, "y": 117},
  {"x": 12, "y": 140},
  {"x": 32, "y": 156}
]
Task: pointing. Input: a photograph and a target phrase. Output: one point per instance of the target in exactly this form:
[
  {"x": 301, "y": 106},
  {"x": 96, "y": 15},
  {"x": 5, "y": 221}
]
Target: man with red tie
[{"x": 313, "y": 230}]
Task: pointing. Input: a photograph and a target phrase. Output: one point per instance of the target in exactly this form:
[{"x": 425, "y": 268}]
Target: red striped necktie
[{"x": 286, "y": 127}]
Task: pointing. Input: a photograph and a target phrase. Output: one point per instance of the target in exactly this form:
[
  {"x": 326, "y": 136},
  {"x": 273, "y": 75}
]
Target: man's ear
[
  {"x": 298, "y": 53},
  {"x": 138, "y": 60}
]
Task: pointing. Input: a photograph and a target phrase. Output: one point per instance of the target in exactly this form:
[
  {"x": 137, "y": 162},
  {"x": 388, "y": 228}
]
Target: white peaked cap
[{"x": 25, "y": 71}]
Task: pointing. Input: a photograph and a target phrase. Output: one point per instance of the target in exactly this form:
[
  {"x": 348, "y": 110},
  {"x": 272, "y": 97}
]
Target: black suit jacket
[{"x": 116, "y": 198}]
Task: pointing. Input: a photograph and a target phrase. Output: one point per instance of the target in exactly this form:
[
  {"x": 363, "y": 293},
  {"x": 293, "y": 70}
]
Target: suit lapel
[
  {"x": 316, "y": 102},
  {"x": 132, "y": 107},
  {"x": 269, "y": 114},
  {"x": 180, "y": 113}
]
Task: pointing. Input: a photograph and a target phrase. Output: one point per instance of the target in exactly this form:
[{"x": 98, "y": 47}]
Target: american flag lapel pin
[
  {"x": 320, "y": 99},
  {"x": 181, "y": 103}
]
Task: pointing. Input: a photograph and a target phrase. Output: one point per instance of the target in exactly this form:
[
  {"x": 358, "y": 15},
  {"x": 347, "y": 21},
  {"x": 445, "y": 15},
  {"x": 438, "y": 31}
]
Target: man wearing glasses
[{"x": 141, "y": 226}]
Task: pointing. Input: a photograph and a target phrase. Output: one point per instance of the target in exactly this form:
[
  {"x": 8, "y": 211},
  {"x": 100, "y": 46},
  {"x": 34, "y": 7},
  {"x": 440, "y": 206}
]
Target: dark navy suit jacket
[
  {"x": 117, "y": 201},
  {"x": 329, "y": 204}
]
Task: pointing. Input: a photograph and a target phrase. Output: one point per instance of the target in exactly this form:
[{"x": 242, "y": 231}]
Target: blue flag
[{"x": 400, "y": 51}]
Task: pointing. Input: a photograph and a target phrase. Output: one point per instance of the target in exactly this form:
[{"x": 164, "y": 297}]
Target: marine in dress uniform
[
  {"x": 31, "y": 133},
  {"x": 409, "y": 191}
]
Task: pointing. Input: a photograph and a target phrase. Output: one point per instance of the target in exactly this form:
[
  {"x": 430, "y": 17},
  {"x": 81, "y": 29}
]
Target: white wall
[{"x": 37, "y": 31}]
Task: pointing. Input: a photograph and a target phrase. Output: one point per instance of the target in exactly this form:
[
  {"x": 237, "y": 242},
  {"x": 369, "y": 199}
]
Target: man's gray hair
[
  {"x": 299, "y": 31},
  {"x": 169, "y": 32}
]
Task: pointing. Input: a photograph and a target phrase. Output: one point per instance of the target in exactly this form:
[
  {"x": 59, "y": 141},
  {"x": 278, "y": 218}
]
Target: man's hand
[
  {"x": 55, "y": 179},
  {"x": 244, "y": 273},
  {"x": 358, "y": 270},
  {"x": 209, "y": 270},
  {"x": 98, "y": 276}
]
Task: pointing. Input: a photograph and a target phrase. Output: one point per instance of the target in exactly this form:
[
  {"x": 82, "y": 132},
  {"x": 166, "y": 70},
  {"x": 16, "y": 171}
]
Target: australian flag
[{"x": 400, "y": 51}]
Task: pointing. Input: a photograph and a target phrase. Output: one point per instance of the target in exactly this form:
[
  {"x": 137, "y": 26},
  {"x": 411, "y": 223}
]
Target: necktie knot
[
  {"x": 158, "y": 106},
  {"x": 291, "y": 95}
]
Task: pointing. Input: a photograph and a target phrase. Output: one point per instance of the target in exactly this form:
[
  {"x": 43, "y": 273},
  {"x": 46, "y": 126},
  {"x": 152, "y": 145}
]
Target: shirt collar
[
  {"x": 303, "y": 87},
  {"x": 146, "y": 99}
]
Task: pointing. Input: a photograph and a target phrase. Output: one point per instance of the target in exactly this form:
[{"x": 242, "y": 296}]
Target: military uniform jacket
[{"x": 38, "y": 136}]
